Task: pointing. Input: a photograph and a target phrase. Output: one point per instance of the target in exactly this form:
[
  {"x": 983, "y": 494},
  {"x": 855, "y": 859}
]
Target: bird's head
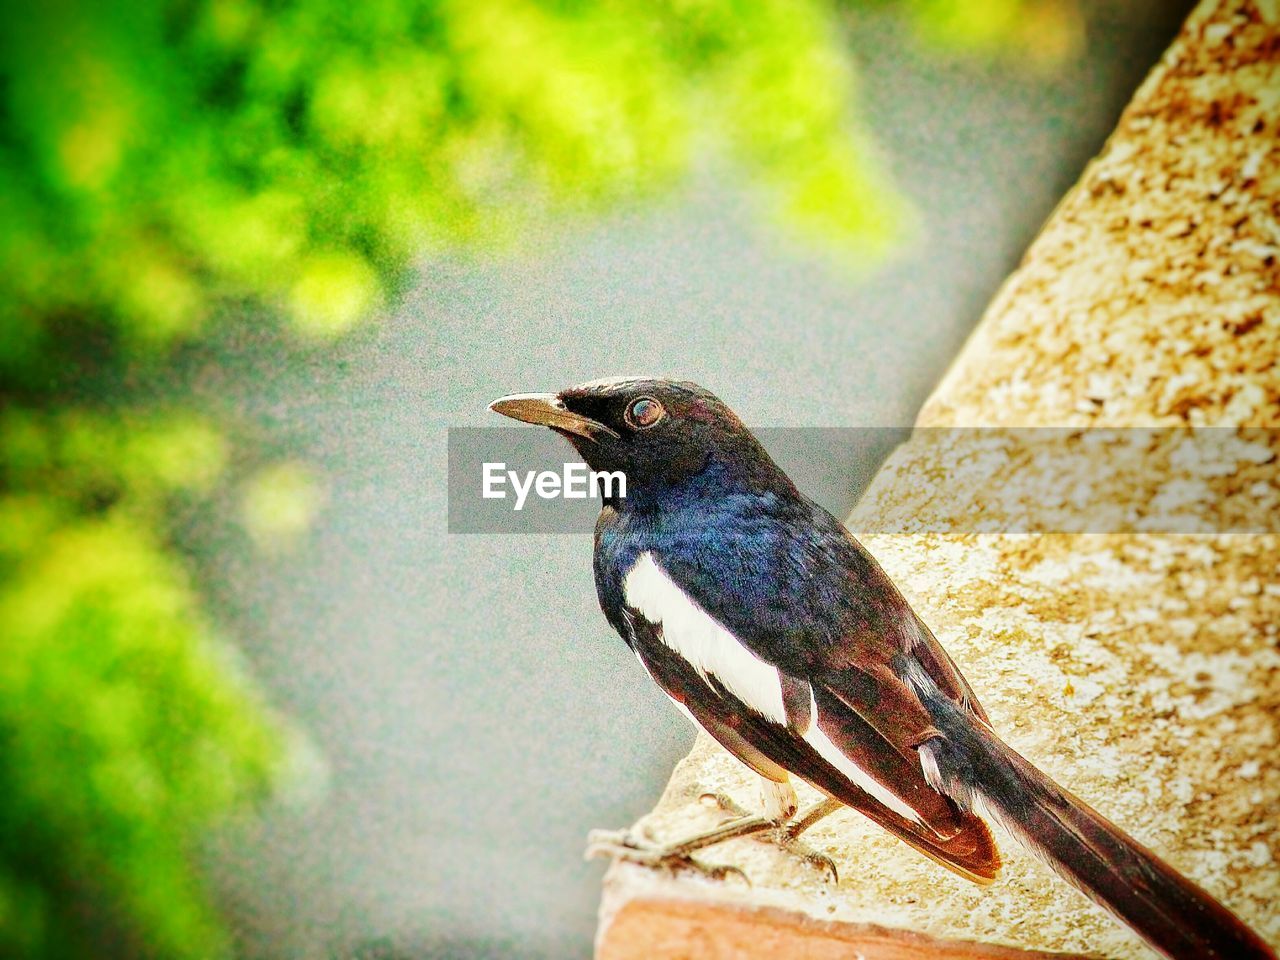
[{"x": 661, "y": 434}]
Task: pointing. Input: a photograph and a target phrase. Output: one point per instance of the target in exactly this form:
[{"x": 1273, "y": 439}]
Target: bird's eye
[{"x": 644, "y": 413}]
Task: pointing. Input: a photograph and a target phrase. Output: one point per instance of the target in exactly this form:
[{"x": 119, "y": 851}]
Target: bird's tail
[{"x": 974, "y": 767}]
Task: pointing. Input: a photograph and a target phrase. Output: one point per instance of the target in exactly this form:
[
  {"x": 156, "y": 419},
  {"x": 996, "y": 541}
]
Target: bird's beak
[{"x": 545, "y": 409}]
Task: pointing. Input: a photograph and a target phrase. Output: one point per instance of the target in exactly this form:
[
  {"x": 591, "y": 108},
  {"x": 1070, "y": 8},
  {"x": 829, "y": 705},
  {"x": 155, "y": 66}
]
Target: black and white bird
[{"x": 767, "y": 623}]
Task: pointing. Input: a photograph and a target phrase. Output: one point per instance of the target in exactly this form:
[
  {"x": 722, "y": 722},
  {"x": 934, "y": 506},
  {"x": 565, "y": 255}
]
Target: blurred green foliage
[
  {"x": 166, "y": 164},
  {"x": 1040, "y": 34},
  {"x": 123, "y": 723},
  {"x": 159, "y": 157}
]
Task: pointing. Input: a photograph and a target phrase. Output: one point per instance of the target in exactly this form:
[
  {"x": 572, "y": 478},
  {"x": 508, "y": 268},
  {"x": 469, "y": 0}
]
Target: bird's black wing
[
  {"x": 957, "y": 840},
  {"x": 805, "y": 596}
]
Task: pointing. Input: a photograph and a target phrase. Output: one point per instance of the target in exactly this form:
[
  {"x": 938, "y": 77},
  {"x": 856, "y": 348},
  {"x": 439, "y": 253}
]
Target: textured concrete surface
[
  {"x": 1142, "y": 670},
  {"x": 1151, "y": 297}
]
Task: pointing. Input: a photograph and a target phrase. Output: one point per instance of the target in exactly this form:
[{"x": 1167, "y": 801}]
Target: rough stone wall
[
  {"x": 1142, "y": 670},
  {"x": 1151, "y": 297}
]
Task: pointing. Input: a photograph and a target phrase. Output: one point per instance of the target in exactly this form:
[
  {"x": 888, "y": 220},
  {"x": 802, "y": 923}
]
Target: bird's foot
[
  {"x": 786, "y": 838},
  {"x": 785, "y": 835},
  {"x": 626, "y": 845},
  {"x": 673, "y": 857}
]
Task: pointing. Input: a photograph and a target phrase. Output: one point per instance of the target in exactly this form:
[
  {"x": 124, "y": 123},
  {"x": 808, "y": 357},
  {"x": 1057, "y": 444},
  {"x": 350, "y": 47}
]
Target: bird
[{"x": 767, "y": 623}]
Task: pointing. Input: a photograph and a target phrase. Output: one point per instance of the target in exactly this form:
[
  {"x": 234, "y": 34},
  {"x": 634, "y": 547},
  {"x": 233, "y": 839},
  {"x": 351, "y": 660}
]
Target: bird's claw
[
  {"x": 791, "y": 843},
  {"x": 786, "y": 836},
  {"x": 624, "y": 845}
]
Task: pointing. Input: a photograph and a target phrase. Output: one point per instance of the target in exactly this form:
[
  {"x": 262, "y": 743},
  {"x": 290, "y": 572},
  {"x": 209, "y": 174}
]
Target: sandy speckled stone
[{"x": 1151, "y": 296}]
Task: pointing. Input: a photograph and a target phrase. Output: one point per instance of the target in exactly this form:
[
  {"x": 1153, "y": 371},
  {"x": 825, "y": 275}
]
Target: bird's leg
[
  {"x": 624, "y": 845},
  {"x": 780, "y": 804},
  {"x": 812, "y": 815},
  {"x": 788, "y": 836},
  {"x": 778, "y": 823}
]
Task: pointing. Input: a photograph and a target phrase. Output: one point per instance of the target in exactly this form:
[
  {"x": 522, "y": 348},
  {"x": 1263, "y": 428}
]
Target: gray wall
[{"x": 476, "y": 714}]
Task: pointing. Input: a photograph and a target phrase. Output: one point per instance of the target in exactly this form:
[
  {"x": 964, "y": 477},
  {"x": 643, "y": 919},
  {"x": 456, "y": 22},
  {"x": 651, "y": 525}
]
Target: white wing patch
[
  {"x": 702, "y": 640},
  {"x": 837, "y": 758}
]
